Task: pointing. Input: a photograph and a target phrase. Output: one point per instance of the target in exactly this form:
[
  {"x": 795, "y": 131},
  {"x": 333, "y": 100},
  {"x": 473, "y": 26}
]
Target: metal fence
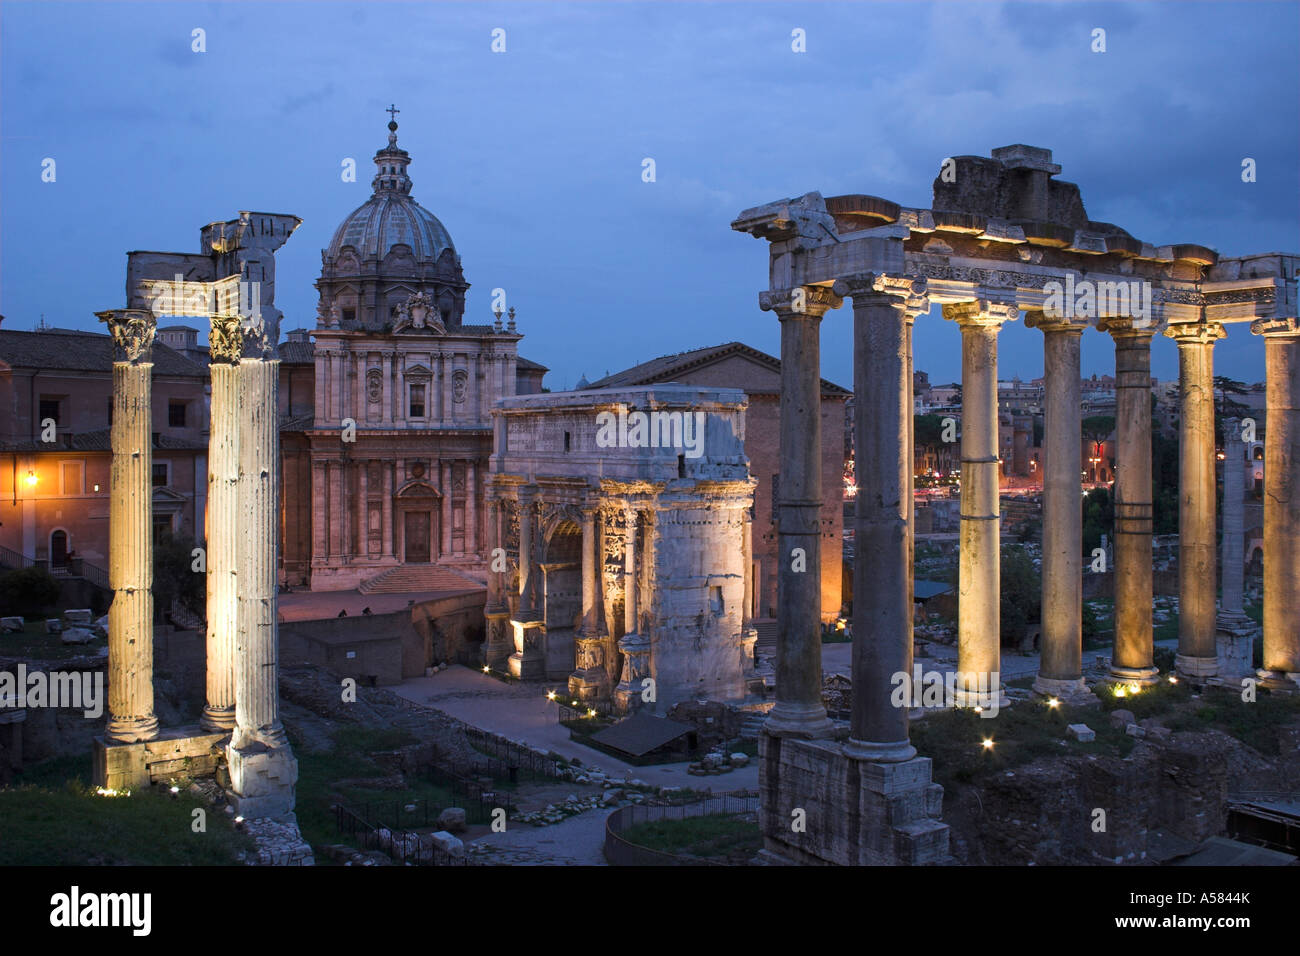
[
  {"x": 512, "y": 757},
  {"x": 404, "y": 846},
  {"x": 622, "y": 852}
]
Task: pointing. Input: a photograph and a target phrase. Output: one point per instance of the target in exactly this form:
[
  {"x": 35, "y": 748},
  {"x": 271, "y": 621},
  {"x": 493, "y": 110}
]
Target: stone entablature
[{"x": 623, "y": 561}]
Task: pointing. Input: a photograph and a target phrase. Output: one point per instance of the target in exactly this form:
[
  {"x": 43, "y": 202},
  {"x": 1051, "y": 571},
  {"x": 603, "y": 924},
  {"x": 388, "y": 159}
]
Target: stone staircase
[{"x": 418, "y": 577}]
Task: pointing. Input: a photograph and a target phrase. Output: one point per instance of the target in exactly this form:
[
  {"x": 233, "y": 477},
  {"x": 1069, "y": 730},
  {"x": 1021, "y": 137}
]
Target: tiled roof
[
  {"x": 100, "y": 440},
  {"x": 297, "y": 353},
  {"x": 73, "y": 351},
  {"x": 529, "y": 365},
  {"x": 297, "y": 423},
  {"x": 664, "y": 368}
]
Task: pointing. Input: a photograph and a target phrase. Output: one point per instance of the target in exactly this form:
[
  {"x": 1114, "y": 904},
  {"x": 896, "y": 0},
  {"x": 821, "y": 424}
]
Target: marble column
[
  {"x": 748, "y": 632},
  {"x": 1060, "y": 669},
  {"x": 130, "y": 530},
  {"x": 448, "y": 404},
  {"x": 634, "y": 645},
  {"x": 883, "y": 309},
  {"x": 979, "y": 613},
  {"x": 587, "y": 682},
  {"x": 528, "y": 661},
  {"x": 798, "y": 711},
  {"x": 320, "y": 512},
  {"x": 1281, "y": 671},
  {"x": 225, "y": 343},
  {"x": 1134, "y": 647},
  {"x": 1234, "y": 631},
  {"x": 263, "y": 770},
  {"x": 1197, "y": 572}
]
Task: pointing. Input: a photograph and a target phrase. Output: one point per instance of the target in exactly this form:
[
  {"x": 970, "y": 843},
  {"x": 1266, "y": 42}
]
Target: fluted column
[
  {"x": 386, "y": 512},
  {"x": 979, "y": 651},
  {"x": 363, "y": 510},
  {"x": 320, "y": 512},
  {"x": 130, "y": 530},
  {"x": 634, "y": 645},
  {"x": 497, "y": 612},
  {"x": 883, "y": 310},
  {"x": 1133, "y": 660},
  {"x": 1060, "y": 669},
  {"x": 1197, "y": 573},
  {"x": 225, "y": 343},
  {"x": 1281, "y": 671},
  {"x": 798, "y": 711},
  {"x": 1234, "y": 632}
]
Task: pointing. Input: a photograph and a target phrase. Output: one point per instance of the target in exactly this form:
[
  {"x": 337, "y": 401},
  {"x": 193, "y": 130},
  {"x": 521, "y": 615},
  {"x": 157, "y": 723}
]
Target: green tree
[
  {"x": 27, "y": 592},
  {"x": 1225, "y": 405},
  {"x": 1022, "y": 594},
  {"x": 1098, "y": 518},
  {"x": 174, "y": 577}
]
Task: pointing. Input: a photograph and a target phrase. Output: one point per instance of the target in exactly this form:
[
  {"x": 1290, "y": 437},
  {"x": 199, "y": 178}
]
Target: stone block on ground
[
  {"x": 739, "y": 760},
  {"x": 448, "y": 843},
  {"x": 1122, "y": 718},
  {"x": 11, "y": 624},
  {"x": 77, "y": 635},
  {"x": 81, "y": 615},
  {"x": 1081, "y": 732},
  {"x": 53, "y": 626},
  {"x": 452, "y": 820}
]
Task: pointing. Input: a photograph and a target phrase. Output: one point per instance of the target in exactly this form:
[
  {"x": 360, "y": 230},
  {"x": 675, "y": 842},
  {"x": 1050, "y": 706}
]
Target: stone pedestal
[
  {"x": 498, "y": 644},
  {"x": 177, "y": 752},
  {"x": 853, "y": 812},
  {"x": 798, "y": 711},
  {"x": 130, "y": 530},
  {"x": 589, "y": 681},
  {"x": 636, "y": 667},
  {"x": 528, "y": 662},
  {"x": 262, "y": 779}
]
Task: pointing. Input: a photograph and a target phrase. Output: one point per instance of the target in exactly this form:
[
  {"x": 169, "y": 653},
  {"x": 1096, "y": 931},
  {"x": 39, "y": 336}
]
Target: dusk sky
[{"x": 532, "y": 158}]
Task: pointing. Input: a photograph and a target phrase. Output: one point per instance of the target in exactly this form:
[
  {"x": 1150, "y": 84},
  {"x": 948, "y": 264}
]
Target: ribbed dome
[
  {"x": 390, "y": 216},
  {"x": 386, "y": 219}
]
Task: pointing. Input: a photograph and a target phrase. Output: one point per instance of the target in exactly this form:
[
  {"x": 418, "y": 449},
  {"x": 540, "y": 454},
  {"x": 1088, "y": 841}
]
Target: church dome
[
  {"x": 390, "y": 216},
  {"x": 386, "y": 251}
]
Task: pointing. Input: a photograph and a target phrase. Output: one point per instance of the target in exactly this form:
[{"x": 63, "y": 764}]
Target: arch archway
[
  {"x": 416, "y": 507},
  {"x": 59, "y": 548}
]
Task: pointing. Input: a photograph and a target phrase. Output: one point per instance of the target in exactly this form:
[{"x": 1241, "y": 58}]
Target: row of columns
[
  {"x": 343, "y": 392},
  {"x": 884, "y": 308},
  {"x": 242, "y": 542}
]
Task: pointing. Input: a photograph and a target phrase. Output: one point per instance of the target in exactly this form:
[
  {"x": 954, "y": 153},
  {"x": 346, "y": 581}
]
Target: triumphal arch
[{"x": 1002, "y": 236}]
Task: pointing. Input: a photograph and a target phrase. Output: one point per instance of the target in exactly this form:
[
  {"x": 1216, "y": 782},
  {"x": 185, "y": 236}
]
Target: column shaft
[
  {"x": 1282, "y": 511},
  {"x": 222, "y": 547},
  {"x": 1060, "y": 671},
  {"x": 130, "y": 530},
  {"x": 1197, "y": 655},
  {"x": 1134, "y": 648},
  {"x": 882, "y": 610}
]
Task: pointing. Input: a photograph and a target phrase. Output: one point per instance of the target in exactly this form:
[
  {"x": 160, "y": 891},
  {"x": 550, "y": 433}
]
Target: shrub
[{"x": 27, "y": 591}]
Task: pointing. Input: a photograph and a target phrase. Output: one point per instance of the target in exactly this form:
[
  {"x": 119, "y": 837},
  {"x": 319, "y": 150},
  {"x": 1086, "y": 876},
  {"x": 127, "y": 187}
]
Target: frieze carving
[
  {"x": 374, "y": 386},
  {"x": 417, "y": 314},
  {"x": 459, "y": 386},
  {"x": 226, "y": 339},
  {"x": 133, "y": 333}
]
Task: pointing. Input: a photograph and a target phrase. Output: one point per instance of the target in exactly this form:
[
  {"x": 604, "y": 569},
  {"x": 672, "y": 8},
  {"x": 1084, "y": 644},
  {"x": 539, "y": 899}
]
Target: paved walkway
[{"x": 521, "y": 712}]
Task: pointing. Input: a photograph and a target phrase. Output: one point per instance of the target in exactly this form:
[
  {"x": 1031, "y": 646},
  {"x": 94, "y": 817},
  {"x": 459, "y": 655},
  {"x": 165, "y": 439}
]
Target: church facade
[{"x": 389, "y": 467}]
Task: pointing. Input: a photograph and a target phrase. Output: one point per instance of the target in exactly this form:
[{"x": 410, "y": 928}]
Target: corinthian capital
[
  {"x": 1196, "y": 333},
  {"x": 260, "y": 334},
  {"x": 226, "y": 340},
  {"x": 1276, "y": 326},
  {"x": 133, "y": 331},
  {"x": 1038, "y": 319},
  {"x": 811, "y": 300},
  {"x": 987, "y": 312}
]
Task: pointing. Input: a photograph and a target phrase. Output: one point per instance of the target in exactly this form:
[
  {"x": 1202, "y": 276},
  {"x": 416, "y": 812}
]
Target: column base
[
  {"x": 1234, "y": 639},
  {"x": 588, "y": 685},
  {"x": 528, "y": 662},
  {"x": 131, "y": 730},
  {"x": 261, "y": 780},
  {"x": 799, "y": 721},
  {"x": 1072, "y": 693},
  {"x": 1279, "y": 682},
  {"x": 1142, "y": 676},
  {"x": 896, "y": 752},
  {"x": 963, "y": 698},
  {"x": 217, "y": 719},
  {"x": 1195, "y": 668}
]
